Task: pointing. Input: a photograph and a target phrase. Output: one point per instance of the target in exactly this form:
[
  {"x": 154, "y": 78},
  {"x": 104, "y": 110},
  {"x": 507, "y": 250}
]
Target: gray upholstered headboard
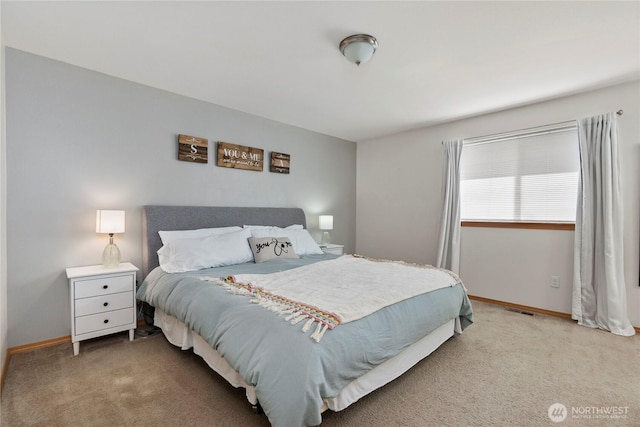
[{"x": 156, "y": 218}]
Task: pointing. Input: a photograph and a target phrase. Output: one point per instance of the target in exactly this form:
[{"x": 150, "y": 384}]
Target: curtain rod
[{"x": 523, "y": 133}]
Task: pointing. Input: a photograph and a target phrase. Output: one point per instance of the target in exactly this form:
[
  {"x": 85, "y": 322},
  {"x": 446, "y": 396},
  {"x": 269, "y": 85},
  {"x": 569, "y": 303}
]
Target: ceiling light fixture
[{"x": 359, "y": 48}]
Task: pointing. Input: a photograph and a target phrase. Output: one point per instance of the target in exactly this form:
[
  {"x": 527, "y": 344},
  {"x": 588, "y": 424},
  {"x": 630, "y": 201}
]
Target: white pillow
[
  {"x": 273, "y": 227},
  {"x": 169, "y": 236},
  {"x": 205, "y": 252},
  {"x": 303, "y": 243}
]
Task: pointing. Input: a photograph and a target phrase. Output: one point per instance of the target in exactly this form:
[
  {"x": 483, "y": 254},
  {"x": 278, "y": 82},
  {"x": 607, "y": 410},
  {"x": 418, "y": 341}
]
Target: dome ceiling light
[{"x": 359, "y": 48}]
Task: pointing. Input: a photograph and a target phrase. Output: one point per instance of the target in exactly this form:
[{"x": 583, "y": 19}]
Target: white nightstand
[
  {"x": 332, "y": 249},
  {"x": 103, "y": 301}
]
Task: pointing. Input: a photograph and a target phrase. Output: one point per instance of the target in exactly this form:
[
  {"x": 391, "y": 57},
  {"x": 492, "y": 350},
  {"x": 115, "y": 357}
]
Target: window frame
[
  {"x": 535, "y": 131},
  {"x": 521, "y": 225}
]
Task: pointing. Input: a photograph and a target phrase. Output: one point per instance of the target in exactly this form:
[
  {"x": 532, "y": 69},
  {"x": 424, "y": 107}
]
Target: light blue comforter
[{"x": 292, "y": 373}]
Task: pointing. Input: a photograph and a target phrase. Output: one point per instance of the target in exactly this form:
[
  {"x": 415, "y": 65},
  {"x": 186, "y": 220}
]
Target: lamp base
[
  {"x": 111, "y": 256},
  {"x": 325, "y": 238}
]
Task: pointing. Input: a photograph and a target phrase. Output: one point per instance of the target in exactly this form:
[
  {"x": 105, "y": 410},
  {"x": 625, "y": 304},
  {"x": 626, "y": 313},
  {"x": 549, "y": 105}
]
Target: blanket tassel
[
  {"x": 319, "y": 332},
  {"x": 299, "y": 318},
  {"x": 324, "y": 329},
  {"x": 307, "y": 325}
]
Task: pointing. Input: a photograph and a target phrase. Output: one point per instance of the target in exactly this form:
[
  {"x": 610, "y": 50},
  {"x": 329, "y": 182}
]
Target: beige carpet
[{"x": 505, "y": 370}]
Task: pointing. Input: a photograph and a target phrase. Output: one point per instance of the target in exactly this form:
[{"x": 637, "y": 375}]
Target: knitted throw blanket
[{"x": 329, "y": 293}]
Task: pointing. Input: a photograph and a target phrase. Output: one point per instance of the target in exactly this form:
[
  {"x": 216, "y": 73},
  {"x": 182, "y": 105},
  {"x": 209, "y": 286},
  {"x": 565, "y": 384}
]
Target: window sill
[{"x": 524, "y": 225}]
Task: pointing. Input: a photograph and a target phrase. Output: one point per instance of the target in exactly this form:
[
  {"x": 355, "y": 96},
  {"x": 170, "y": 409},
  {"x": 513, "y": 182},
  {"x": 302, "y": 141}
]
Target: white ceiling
[{"x": 437, "y": 61}]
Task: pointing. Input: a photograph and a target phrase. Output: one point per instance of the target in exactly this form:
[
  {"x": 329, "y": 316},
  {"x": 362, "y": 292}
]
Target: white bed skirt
[{"x": 179, "y": 335}]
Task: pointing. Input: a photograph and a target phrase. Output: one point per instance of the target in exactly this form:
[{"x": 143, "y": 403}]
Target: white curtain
[
  {"x": 449, "y": 242},
  {"x": 599, "y": 292}
]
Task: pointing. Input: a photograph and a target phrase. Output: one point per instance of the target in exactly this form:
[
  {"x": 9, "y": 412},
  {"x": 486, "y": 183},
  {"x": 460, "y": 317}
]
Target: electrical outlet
[{"x": 555, "y": 281}]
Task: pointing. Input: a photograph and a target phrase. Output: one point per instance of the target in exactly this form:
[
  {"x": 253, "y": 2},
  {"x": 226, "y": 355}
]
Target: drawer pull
[
  {"x": 105, "y": 304},
  {"x": 106, "y": 320},
  {"x": 105, "y": 286}
]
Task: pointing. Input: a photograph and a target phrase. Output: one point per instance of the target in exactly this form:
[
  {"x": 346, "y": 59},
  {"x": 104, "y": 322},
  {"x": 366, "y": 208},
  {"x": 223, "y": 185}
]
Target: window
[{"x": 521, "y": 177}]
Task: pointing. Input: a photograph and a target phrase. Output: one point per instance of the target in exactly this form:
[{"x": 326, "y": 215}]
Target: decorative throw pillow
[
  {"x": 268, "y": 248},
  {"x": 303, "y": 243}
]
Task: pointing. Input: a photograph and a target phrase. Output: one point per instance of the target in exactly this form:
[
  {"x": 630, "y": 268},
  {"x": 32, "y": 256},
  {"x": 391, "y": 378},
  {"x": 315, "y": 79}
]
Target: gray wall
[
  {"x": 78, "y": 141},
  {"x": 399, "y": 184}
]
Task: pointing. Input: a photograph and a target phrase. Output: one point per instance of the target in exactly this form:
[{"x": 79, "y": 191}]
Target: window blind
[{"x": 528, "y": 178}]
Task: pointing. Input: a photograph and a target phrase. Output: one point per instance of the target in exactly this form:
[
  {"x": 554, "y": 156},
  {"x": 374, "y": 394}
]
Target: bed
[{"x": 290, "y": 376}]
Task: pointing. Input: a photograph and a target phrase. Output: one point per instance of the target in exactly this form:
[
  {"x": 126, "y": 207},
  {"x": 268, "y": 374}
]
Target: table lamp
[
  {"x": 325, "y": 223},
  {"x": 111, "y": 222}
]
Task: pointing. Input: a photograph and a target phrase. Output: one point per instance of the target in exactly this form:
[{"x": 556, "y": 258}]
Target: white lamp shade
[
  {"x": 109, "y": 221},
  {"x": 326, "y": 222},
  {"x": 359, "y": 52}
]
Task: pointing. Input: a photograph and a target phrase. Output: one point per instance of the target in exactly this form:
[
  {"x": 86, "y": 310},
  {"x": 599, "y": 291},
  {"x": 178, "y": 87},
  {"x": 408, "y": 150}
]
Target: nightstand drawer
[
  {"x": 333, "y": 249},
  {"x": 103, "y": 286},
  {"x": 109, "y": 319},
  {"x": 110, "y": 302}
]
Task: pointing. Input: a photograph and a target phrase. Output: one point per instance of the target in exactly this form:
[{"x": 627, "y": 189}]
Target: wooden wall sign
[
  {"x": 192, "y": 149},
  {"x": 240, "y": 157},
  {"x": 280, "y": 162}
]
